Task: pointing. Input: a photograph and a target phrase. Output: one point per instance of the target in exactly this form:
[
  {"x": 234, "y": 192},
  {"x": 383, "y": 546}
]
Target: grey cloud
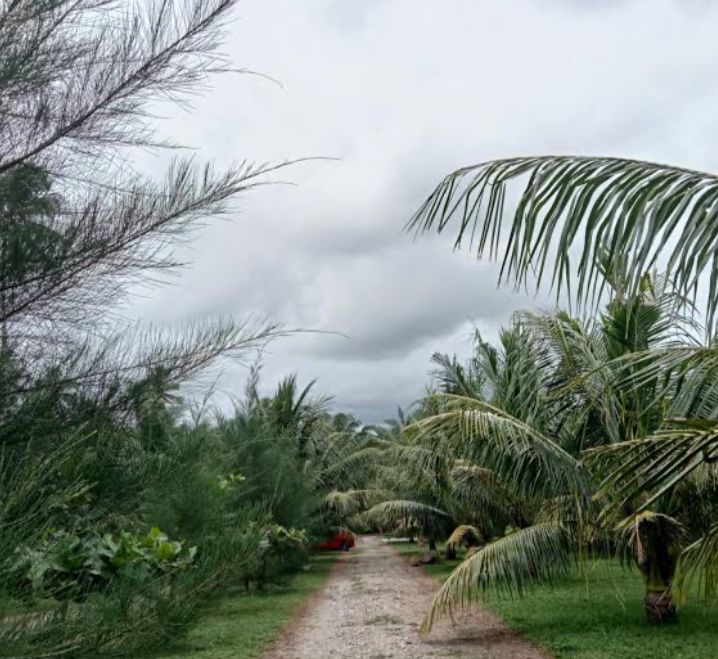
[
  {"x": 388, "y": 303},
  {"x": 402, "y": 93}
]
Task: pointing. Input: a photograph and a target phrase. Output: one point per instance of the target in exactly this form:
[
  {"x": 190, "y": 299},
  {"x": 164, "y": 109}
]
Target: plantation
[{"x": 563, "y": 475}]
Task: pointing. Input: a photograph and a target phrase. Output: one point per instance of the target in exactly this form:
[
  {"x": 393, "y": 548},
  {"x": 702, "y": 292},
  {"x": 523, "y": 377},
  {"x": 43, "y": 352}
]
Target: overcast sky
[{"x": 402, "y": 92}]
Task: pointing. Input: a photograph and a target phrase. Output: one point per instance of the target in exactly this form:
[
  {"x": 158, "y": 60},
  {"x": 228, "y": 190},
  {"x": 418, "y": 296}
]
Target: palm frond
[
  {"x": 698, "y": 567},
  {"x": 518, "y": 453},
  {"x": 688, "y": 372},
  {"x": 536, "y": 553},
  {"x": 649, "y": 468},
  {"x": 624, "y": 215},
  {"x": 580, "y": 389},
  {"x": 513, "y": 371},
  {"x": 343, "y": 504},
  {"x": 409, "y": 513},
  {"x": 479, "y": 490},
  {"x": 640, "y": 535},
  {"x": 357, "y": 466},
  {"x": 420, "y": 464},
  {"x": 465, "y": 534},
  {"x": 453, "y": 377}
]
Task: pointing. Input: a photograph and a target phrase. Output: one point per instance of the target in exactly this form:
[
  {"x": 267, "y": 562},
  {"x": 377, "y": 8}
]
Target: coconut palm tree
[
  {"x": 413, "y": 481},
  {"x": 656, "y": 470},
  {"x": 579, "y": 222},
  {"x": 580, "y": 395}
]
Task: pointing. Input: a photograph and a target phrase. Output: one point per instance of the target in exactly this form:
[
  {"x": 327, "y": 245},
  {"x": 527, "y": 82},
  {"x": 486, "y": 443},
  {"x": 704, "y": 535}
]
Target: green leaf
[
  {"x": 537, "y": 553},
  {"x": 623, "y": 214}
]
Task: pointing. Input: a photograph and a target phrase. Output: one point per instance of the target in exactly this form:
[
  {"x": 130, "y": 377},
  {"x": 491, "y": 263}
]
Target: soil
[{"x": 371, "y": 608}]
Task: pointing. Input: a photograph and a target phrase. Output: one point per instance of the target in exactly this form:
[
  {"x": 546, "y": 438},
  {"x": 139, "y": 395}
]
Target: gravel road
[{"x": 371, "y": 608}]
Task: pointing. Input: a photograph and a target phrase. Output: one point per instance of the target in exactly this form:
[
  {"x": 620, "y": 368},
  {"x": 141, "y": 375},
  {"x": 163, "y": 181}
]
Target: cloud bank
[{"x": 401, "y": 93}]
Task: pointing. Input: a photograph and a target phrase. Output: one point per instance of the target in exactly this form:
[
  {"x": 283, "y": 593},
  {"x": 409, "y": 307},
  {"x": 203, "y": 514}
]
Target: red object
[{"x": 341, "y": 541}]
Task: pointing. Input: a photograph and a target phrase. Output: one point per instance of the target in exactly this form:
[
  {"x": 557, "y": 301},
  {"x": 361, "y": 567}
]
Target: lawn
[
  {"x": 242, "y": 626},
  {"x": 599, "y": 617}
]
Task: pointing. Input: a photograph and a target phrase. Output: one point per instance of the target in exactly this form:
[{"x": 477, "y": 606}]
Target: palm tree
[
  {"x": 582, "y": 221},
  {"x": 659, "y": 469},
  {"x": 577, "y": 393},
  {"x": 413, "y": 484}
]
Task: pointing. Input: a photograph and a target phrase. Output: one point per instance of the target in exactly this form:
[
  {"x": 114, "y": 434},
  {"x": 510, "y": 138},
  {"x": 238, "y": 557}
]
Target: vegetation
[
  {"x": 521, "y": 442},
  {"x": 124, "y": 508},
  {"x": 582, "y": 436}
]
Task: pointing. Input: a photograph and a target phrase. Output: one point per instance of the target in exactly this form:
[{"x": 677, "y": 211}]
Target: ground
[
  {"x": 373, "y": 601},
  {"x": 371, "y": 608}
]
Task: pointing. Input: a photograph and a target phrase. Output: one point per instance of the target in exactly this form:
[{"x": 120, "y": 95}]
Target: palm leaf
[
  {"x": 688, "y": 372},
  {"x": 342, "y": 504},
  {"x": 353, "y": 468},
  {"x": 479, "y": 490},
  {"x": 698, "y": 566},
  {"x": 518, "y": 453},
  {"x": 640, "y": 534},
  {"x": 345, "y": 504},
  {"x": 537, "y": 553},
  {"x": 464, "y": 534},
  {"x": 624, "y": 215},
  {"x": 421, "y": 464},
  {"x": 452, "y": 377},
  {"x": 653, "y": 465},
  {"x": 581, "y": 386},
  {"x": 410, "y": 513}
]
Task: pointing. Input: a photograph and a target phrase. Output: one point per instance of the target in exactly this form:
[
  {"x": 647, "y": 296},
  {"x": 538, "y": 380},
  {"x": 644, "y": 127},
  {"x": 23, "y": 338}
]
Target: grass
[
  {"x": 599, "y": 617},
  {"x": 243, "y": 625}
]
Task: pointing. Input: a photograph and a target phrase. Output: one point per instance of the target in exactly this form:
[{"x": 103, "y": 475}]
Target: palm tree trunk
[
  {"x": 660, "y": 607},
  {"x": 657, "y": 547},
  {"x": 657, "y": 570}
]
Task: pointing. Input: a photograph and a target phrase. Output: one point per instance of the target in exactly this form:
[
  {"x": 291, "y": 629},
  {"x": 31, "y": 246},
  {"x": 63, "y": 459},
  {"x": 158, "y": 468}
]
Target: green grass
[
  {"x": 242, "y": 625},
  {"x": 599, "y": 617}
]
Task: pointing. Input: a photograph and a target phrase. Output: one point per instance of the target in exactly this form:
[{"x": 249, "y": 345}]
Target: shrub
[
  {"x": 281, "y": 551},
  {"x": 68, "y": 566}
]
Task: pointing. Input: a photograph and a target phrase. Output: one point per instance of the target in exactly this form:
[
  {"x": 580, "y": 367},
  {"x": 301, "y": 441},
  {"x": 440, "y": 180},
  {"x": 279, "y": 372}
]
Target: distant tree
[{"x": 25, "y": 241}]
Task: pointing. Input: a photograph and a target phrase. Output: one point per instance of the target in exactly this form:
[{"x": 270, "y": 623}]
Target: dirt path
[{"x": 371, "y": 608}]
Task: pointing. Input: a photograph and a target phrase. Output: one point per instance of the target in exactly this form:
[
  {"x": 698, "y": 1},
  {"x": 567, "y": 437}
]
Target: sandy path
[{"x": 371, "y": 608}]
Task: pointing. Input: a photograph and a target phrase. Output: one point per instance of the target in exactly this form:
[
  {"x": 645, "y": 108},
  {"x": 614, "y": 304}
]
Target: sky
[{"x": 395, "y": 94}]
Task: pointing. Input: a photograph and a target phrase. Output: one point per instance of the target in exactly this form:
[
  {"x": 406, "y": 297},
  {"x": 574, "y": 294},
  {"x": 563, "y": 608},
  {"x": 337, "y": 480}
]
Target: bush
[
  {"x": 281, "y": 551},
  {"x": 68, "y": 566}
]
